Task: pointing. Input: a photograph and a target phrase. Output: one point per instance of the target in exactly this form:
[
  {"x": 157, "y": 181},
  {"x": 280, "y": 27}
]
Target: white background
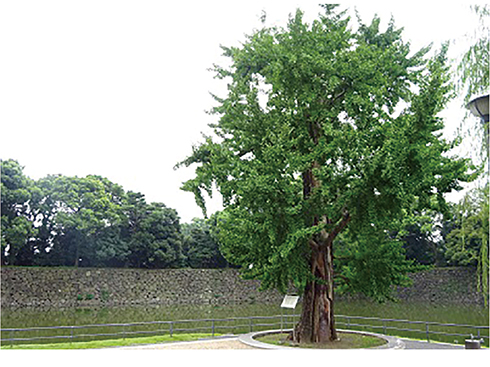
[{"x": 120, "y": 88}]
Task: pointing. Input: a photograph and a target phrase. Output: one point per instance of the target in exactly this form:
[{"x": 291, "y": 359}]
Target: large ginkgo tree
[{"x": 325, "y": 133}]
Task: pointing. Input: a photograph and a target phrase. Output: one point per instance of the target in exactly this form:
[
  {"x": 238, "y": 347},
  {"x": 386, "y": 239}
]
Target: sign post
[{"x": 288, "y": 302}]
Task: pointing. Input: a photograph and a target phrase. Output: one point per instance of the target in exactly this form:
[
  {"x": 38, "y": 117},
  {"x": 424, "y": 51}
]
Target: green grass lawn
[
  {"x": 347, "y": 341},
  {"x": 112, "y": 342}
]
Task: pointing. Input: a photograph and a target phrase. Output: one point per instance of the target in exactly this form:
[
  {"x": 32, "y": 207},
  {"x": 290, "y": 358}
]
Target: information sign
[{"x": 289, "y": 301}]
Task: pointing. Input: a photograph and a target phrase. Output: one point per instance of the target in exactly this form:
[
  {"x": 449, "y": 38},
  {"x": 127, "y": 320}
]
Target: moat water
[{"x": 28, "y": 317}]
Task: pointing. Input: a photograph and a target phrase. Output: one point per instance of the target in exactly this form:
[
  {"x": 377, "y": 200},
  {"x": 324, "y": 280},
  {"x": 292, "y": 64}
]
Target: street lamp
[{"x": 479, "y": 108}]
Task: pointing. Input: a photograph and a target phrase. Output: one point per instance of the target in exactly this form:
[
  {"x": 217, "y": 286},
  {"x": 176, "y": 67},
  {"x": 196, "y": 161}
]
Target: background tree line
[
  {"x": 457, "y": 237},
  {"x": 93, "y": 222}
]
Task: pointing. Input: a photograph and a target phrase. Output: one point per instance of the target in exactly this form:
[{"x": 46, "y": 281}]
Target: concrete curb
[{"x": 248, "y": 339}]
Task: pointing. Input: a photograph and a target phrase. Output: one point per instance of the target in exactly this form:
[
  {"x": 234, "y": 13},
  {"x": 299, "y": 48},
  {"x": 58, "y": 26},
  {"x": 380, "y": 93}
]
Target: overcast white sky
[{"x": 120, "y": 88}]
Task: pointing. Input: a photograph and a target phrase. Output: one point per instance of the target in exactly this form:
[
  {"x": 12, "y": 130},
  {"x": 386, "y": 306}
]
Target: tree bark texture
[{"x": 317, "y": 323}]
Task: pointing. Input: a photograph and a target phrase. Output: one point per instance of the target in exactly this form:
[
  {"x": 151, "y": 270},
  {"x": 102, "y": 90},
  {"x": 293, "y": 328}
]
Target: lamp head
[{"x": 479, "y": 107}]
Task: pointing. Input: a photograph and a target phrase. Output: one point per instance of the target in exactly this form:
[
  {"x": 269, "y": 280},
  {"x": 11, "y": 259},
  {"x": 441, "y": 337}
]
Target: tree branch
[
  {"x": 314, "y": 246},
  {"x": 339, "y": 227}
]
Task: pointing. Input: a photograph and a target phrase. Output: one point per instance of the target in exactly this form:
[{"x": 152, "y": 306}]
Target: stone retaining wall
[
  {"x": 66, "y": 287},
  {"x": 443, "y": 286}
]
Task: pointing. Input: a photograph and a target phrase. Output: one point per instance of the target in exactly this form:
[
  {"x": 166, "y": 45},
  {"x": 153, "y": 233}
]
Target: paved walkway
[
  {"x": 419, "y": 344},
  {"x": 234, "y": 343},
  {"x": 226, "y": 343}
]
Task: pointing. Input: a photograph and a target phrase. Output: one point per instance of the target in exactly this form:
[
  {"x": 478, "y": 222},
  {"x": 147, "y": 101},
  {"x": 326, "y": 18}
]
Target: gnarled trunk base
[{"x": 317, "y": 323}]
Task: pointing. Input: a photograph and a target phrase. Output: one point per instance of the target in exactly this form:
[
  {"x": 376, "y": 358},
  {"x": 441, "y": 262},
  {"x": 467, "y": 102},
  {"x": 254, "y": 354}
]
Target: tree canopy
[
  {"x": 84, "y": 221},
  {"x": 201, "y": 247},
  {"x": 16, "y": 226},
  {"x": 473, "y": 68},
  {"x": 326, "y": 131}
]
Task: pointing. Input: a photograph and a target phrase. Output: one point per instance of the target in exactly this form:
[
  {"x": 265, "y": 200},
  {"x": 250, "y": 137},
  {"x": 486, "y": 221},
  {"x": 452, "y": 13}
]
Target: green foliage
[
  {"x": 466, "y": 235},
  {"x": 371, "y": 264},
  {"x": 420, "y": 236},
  {"x": 155, "y": 240},
  {"x": 105, "y": 295},
  {"x": 472, "y": 77},
  {"x": 83, "y": 213},
  {"x": 87, "y": 221},
  {"x": 356, "y": 111},
  {"x": 201, "y": 248},
  {"x": 87, "y": 297},
  {"x": 16, "y": 226},
  {"x": 15, "y": 189},
  {"x": 467, "y": 228},
  {"x": 473, "y": 69}
]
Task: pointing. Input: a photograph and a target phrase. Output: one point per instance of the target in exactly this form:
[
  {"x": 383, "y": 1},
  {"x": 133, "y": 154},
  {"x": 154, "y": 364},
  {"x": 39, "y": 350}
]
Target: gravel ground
[{"x": 204, "y": 344}]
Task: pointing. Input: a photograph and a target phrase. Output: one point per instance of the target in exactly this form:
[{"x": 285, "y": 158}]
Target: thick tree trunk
[{"x": 317, "y": 323}]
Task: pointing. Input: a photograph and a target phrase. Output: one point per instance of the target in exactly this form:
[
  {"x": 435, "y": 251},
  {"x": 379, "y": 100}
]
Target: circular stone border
[{"x": 248, "y": 339}]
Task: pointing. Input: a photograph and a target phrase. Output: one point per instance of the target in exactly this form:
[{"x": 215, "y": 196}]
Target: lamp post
[{"x": 479, "y": 108}]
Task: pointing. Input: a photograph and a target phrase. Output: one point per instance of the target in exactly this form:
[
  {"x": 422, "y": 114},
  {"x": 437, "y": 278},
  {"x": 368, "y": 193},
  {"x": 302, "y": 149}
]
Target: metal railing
[
  {"x": 430, "y": 331},
  {"x": 234, "y": 325}
]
